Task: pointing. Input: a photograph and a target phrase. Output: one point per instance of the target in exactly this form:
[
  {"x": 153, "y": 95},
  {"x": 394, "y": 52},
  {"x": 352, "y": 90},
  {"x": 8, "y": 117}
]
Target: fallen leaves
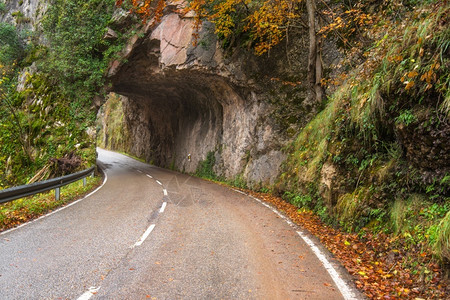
[{"x": 381, "y": 265}]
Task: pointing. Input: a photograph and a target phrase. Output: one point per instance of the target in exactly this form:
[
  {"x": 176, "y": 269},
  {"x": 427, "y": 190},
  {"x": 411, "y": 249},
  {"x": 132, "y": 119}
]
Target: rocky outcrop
[
  {"x": 188, "y": 100},
  {"x": 24, "y": 14}
]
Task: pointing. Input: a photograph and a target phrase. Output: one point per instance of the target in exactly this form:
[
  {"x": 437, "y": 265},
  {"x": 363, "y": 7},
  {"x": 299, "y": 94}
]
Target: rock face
[
  {"x": 24, "y": 14},
  {"x": 184, "y": 99}
]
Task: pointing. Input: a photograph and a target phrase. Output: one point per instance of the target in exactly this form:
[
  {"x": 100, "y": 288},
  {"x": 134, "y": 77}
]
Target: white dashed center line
[
  {"x": 163, "y": 207},
  {"x": 158, "y": 182},
  {"x": 145, "y": 235},
  {"x": 87, "y": 295},
  {"x": 149, "y": 176}
]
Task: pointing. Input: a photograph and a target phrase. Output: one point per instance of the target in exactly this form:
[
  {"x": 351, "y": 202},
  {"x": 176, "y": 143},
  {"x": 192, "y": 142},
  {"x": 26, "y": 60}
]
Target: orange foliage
[
  {"x": 146, "y": 9},
  {"x": 269, "y": 24},
  {"x": 266, "y": 22}
]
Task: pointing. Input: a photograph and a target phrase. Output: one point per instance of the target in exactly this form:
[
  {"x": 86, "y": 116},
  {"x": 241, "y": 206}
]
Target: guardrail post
[
  {"x": 84, "y": 181},
  {"x": 57, "y": 194}
]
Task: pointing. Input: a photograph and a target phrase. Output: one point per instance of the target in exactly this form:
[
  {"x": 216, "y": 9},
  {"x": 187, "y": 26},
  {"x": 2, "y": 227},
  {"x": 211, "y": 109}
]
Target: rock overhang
[{"x": 184, "y": 98}]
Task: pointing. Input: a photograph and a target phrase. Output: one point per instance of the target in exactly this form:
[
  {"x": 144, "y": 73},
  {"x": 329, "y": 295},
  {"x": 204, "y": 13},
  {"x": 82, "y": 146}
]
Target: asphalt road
[{"x": 150, "y": 233}]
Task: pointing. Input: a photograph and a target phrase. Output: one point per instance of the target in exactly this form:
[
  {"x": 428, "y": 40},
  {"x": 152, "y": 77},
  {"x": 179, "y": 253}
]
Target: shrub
[
  {"x": 10, "y": 46},
  {"x": 2, "y": 7},
  {"x": 205, "y": 167}
]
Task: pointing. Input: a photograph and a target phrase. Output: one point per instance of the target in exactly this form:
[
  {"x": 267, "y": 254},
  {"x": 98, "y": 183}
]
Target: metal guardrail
[{"x": 21, "y": 191}]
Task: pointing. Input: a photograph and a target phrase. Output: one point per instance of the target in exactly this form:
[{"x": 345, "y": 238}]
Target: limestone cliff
[
  {"x": 24, "y": 14},
  {"x": 185, "y": 100}
]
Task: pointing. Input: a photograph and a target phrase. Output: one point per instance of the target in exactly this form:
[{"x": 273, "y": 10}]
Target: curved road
[{"x": 150, "y": 233}]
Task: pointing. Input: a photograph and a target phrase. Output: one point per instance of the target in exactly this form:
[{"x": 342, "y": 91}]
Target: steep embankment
[
  {"x": 377, "y": 157},
  {"x": 52, "y": 65}
]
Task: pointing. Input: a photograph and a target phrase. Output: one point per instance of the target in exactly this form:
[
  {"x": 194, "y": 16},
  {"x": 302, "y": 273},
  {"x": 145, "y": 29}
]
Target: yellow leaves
[
  {"x": 398, "y": 58},
  {"x": 429, "y": 76},
  {"x": 266, "y": 21},
  {"x": 346, "y": 23},
  {"x": 267, "y": 25},
  {"x": 413, "y": 74},
  {"x": 409, "y": 84},
  {"x": 222, "y": 17}
]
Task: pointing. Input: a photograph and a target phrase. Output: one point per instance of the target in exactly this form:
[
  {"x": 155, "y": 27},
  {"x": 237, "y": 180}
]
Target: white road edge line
[
  {"x": 165, "y": 192},
  {"x": 149, "y": 176},
  {"x": 163, "y": 207},
  {"x": 240, "y": 192},
  {"x": 340, "y": 283},
  {"x": 87, "y": 295},
  {"x": 145, "y": 235},
  {"x": 342, "y": 286},
  {"x": 158, "y": 182},
  {"x": 59, "y": 209}
]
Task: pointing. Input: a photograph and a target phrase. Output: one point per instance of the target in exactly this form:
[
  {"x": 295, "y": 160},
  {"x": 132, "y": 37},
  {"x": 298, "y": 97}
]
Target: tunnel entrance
[
  {"x": 177, "y": 101},
  {"x": 174, "y": 116}
]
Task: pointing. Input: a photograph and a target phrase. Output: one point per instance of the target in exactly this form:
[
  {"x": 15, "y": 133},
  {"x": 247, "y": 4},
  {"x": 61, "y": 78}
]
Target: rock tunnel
[{"x": 182, "y": 99}]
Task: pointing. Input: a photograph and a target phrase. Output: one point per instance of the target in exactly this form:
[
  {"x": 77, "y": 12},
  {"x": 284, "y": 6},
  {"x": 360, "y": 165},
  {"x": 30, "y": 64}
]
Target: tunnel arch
[{"x": 183, "y": 99}]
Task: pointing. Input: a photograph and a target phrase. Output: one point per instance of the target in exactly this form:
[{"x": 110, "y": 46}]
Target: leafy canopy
[
  {"x": 10, "y": 46},
  {"x": 75, "y": 30}
]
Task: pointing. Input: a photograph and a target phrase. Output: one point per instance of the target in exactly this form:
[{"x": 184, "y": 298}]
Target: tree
[
  {"x": 11, "y": 47},
  {"x": 315, "y": 53}
]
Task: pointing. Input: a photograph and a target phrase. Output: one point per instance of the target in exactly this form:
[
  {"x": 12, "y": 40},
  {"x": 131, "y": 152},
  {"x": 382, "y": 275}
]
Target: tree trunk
[{"x": 315, "y": 54}]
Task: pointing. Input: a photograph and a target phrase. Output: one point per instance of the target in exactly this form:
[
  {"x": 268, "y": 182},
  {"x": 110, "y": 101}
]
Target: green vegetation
[
  {"x": 20, "y": 17},
  {"x": 366, "y": 138},
  {"x": 22, "y": 210},
  {"x": 205, "y": 167},
  {"x": 47, "y": 91},
  {"x": 78, "y": 55},
  {"x": 11, "y": 47},
  {"x": 298, "y": 200},
  {"x": 422, "y": 222},
  {"x": 374, "y": 159},
  {"x": 442, "y": 243},
  {"x": 112, "y": 131},
  {"x": 2, "y": 7}
]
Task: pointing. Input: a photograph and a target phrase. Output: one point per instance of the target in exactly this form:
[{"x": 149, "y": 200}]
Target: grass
[
  {"x": 442, "y": 245},
  {"x": 23, "y": 210},
  {"x": 423, "y": 223},
  {"x": 376, "y": 188}
]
